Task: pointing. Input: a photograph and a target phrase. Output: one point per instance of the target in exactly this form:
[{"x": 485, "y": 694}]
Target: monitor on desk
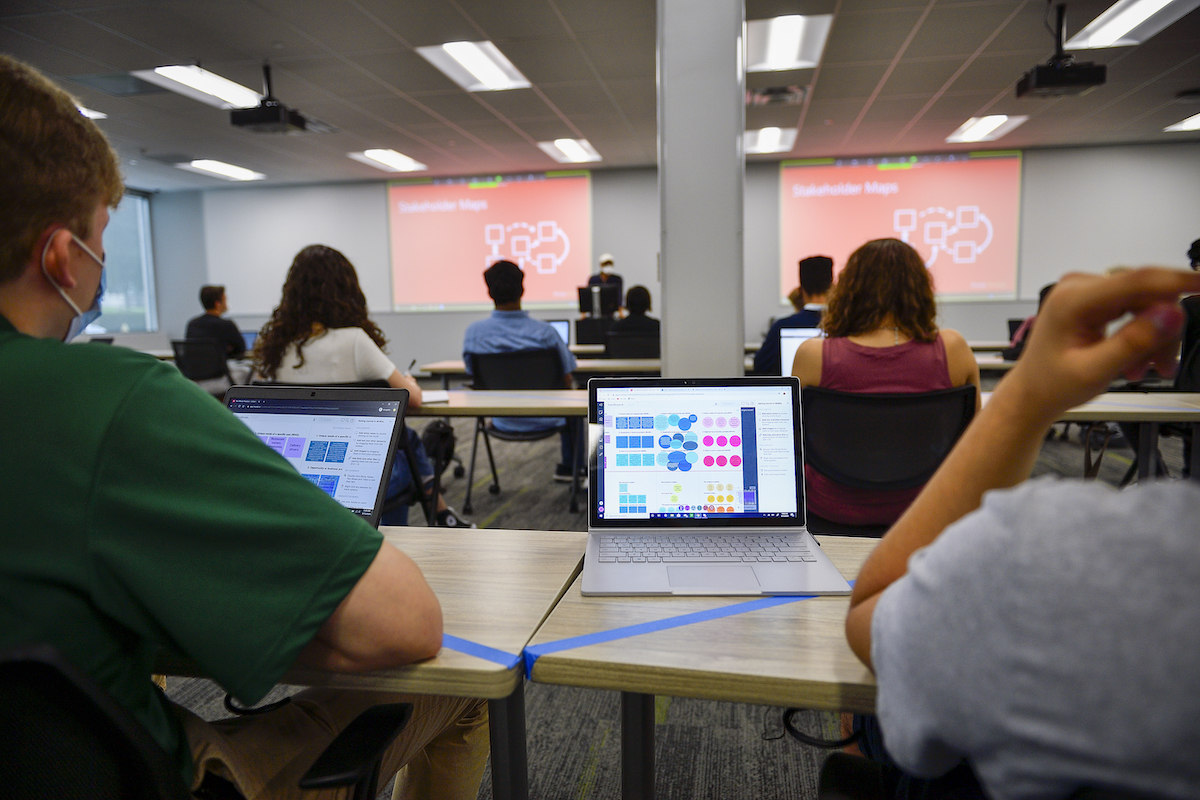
[
  {"x": 789, "y": 342},
  {"x": 610, "y": 300},
  {"x": 563, "y": 328}
]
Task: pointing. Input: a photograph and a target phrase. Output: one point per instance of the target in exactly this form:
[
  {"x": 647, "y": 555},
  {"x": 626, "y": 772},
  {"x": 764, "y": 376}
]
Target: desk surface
[
  {"x": 1133, "y": 407},
  {"x": 793, "y": 654},
  {"x": 631, "y": 366},
  {"x": 513, "y": 403},
  {"x": 993, "y": 362}
]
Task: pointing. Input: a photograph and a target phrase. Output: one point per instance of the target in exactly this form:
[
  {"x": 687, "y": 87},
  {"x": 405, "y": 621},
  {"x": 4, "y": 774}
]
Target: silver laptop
[
  {"x": 341, "y": 439},
  {"x": 698, "y": 489},
  {"x": 790, "y": 340}
]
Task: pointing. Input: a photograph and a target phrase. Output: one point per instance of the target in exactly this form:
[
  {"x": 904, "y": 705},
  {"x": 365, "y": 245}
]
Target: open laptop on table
[
  {"x": 698, "y": 489},
  {"x": 790, "y": 340},
  {"x": 341, "y": 439}
]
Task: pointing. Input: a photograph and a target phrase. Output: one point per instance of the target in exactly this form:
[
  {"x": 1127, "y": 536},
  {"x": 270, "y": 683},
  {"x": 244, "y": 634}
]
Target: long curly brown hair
[
  {"x": 321, "y": 289},
  {"x": 883, "y": 277}
]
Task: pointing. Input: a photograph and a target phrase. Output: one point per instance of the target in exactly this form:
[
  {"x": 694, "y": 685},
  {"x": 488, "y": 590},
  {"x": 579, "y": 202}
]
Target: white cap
[{"x": 606, "y": 258}]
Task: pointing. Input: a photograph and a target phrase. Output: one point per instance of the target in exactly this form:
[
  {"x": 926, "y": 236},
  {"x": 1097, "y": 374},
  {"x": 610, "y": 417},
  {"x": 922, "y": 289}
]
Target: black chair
[
  {"x": 203, "y": 361},
  {"x": 1013, "y": 325},
  {"x": 880, "y": 442},
  {"x": 592, "y": 330},
  {"x": 519, "y": 369},
  {"x": 1187, "y": 379},
  {"x": 64, "y": 737},
  {"x": 631, "y": 345},
  {"x": 101, "y": 339}
]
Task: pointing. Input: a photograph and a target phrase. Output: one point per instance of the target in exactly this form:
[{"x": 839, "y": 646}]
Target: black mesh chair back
[
  {"x": 1187, "y": 379},
  {"x": 200, "y": 359},
  {"x": 631, "y": 345},
  {"x": 62, "y": 736},
  {"x": 520, "y": 369},
  {"x": 882, "y": 441},
  {"x": 591, "y": 330}
]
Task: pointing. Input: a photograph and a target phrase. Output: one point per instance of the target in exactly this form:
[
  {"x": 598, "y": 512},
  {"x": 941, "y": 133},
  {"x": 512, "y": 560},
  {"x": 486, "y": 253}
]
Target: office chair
[
  {"x": 519, "y": 369},
  {"x": 631, "y": 345},
  {"x": 62, "y": 736},
  {"x": 591, "y": 330},
  {"x": 203, "y": 362},
  {"x": 881, "y": 442},
  {"x": 1187, "y": 379},
  {"x": 409, "y": 496}
]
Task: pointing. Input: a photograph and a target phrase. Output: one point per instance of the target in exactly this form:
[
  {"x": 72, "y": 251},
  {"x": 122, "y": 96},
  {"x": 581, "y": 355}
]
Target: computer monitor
[
  {"x": 251, "y": 337},
  {"x": 789, "y": 342},
  {"x": 563, "y": 328},
  {"x": 610, "y": 300}
]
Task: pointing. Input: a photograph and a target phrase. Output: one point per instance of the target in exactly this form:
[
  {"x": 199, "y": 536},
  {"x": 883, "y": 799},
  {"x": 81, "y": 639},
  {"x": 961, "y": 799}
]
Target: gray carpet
[{"x": 704, "y": 749}]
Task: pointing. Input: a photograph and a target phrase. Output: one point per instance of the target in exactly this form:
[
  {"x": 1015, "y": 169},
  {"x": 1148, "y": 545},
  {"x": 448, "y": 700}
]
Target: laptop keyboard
[{"x": 673, "y": 549}]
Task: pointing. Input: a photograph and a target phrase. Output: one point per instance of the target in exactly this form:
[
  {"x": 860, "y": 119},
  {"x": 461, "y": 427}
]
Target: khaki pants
[{"x": 443, "y": 750}]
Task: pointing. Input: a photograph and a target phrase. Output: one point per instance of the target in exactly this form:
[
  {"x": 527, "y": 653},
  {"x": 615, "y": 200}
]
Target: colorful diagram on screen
[
  {"x": 446, "y": 232},
  {"x": 693, "y": 462},
  {"x": 959, "y": 211}
]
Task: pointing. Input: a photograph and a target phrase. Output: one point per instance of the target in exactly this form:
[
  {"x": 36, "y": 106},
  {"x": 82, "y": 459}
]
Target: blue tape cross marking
[
  {"x": 506, "y": 660},
  {"x": 534, "y": 652}
]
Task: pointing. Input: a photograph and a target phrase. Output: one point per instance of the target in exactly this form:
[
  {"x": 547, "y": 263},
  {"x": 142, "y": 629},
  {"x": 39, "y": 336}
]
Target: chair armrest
[{"x": 357, "y": 750}]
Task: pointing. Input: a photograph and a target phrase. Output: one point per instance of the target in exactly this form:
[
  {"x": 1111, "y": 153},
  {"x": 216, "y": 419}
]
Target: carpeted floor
[{"x": 704, "y": 749}]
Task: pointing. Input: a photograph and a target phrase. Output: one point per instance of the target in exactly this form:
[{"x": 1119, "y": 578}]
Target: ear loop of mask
[{"x": 57, "y": 288}]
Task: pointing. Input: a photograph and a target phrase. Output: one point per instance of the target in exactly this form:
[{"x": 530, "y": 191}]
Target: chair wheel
[
  {"x": 494, "y": 489},
  {"x": 459, "y": 471}
]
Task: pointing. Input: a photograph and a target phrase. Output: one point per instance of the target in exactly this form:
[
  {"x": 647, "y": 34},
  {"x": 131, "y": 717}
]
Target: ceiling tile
[
  {"x": 921, "y": 77},
  {"x": 868, "y": 36},
  {"x": 957, "y": 30},
  {"x": 513, "y": 19},
  {"x": 588, "y": 16},
  {"x": 838, "y": 81}
]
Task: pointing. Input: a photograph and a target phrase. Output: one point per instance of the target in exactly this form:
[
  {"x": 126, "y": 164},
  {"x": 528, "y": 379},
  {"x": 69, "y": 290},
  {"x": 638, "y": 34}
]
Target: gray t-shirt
[{"x": 1053, "y": 639}]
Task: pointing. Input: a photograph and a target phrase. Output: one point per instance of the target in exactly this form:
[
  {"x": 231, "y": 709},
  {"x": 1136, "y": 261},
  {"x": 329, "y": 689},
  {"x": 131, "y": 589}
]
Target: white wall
[{"x": 1082, "y": 209}]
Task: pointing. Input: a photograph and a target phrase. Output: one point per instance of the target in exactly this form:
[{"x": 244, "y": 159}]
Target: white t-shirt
[
  {"x": 339, "y": 355},
  {"x": 1051, "y": 639}
]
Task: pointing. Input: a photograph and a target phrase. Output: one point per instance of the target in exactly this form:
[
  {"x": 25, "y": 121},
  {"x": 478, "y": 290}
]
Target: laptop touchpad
[{"x": 714, "y": 578}]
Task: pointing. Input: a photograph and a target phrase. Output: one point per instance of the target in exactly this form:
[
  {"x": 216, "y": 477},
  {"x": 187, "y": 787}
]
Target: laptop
[
  {"x": 341, "y": 439},
  {"x": 249, "y": 337},
  {"x": 562, "y": 327},
  {"x": 698, "y": 489},
  {"x": 790, "y": 340}
]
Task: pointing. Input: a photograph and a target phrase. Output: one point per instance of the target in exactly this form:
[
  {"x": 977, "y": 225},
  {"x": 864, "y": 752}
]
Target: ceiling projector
[
  {"x": 270, "y": 115},
  {"x": 1061, "y": 75}
]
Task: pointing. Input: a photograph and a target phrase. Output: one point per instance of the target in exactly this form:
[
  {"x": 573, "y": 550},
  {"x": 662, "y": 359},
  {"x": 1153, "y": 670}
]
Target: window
[{"x": 128, "y": 302}]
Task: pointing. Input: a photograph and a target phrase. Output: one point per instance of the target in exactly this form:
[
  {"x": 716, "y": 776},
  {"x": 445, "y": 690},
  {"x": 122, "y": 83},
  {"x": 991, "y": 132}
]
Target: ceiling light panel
[
  {"x": 200, "y": 84},
  {"x": 1192, "y": 123},
  {"x": 388, "y": 160},
  {"x": 570, "y": 151},
  {"x": 769, "y": 140},
  {"x": 475, "y": 66},
  {"x": 791, "y": 42},
  {"x": 1130, "y": 22},
  {"x": 219, "y": 169},
  {"x": 985, "y": 129}
]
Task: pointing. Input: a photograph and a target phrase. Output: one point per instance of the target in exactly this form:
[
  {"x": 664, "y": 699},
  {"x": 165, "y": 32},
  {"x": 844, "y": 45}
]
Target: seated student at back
[
  {"x": 1021, "y": 334},
  {"x": 816, "y": 277},
  {"x": 882, "y": 338},
  {"x": 128, "y": 525},
  {"x": 1044, "y": 631},
  {"x": 509, "y": 329},
  {"x": 321, "y": 333},
  {"x": 637, "y": 303},
  {"x": 212, "y": 325}
]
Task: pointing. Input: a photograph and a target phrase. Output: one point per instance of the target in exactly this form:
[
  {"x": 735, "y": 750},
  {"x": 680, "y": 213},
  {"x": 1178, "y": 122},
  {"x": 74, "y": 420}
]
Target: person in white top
[{"x": 320, "y": 333}]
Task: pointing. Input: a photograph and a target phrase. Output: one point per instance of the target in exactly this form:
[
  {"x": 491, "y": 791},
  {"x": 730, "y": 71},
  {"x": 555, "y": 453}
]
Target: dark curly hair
[
  {"x": 883, "y": 278},
  {"x": 321, "y": 289}
]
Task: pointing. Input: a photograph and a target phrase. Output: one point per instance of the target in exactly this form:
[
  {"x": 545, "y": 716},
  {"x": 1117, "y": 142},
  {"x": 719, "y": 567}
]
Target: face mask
[
  {"x": 82, "y": 318},
  {"x": 606, "y": 269}
]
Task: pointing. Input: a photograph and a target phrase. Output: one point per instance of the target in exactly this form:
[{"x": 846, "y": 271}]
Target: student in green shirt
[{"x": 133, "y": 518}]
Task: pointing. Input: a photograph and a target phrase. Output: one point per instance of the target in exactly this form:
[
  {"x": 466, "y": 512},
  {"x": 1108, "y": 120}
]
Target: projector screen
[
  {"x": 444, "y": 233},
  {"x": 959, "y": 211}
]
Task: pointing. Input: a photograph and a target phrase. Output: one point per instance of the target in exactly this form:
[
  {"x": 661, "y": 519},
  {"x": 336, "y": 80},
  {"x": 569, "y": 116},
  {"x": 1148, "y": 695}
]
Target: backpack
[{"x": 438, "y": 439}]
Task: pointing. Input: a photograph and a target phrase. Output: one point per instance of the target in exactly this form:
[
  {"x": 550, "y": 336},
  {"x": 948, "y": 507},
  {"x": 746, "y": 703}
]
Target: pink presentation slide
[
  {"x": 445, "y": 233},
  {"x": 961, "y": 213}
]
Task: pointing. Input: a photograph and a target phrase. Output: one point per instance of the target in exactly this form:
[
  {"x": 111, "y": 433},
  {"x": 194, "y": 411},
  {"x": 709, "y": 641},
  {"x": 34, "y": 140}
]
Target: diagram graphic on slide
[
  {"x": 523, "y": 239},
  {"x": 940, "y": 230}
]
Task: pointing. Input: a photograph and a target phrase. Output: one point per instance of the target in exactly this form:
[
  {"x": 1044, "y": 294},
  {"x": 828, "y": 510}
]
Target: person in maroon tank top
[{"x": 881, "y": 337}]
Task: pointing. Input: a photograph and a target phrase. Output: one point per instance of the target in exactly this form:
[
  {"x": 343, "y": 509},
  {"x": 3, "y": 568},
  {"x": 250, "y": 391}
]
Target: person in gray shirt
[{"x": 1045, "y": 632}]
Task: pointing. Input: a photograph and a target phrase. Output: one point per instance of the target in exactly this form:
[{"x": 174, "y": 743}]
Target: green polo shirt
[{"x": 136, "y": 513}]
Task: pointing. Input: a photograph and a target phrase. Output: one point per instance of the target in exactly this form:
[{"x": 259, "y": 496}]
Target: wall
[{"x": 1082, "y": 209}]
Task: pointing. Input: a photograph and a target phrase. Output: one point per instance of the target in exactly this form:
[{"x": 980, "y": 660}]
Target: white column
[{"x": 701, "y": 116}]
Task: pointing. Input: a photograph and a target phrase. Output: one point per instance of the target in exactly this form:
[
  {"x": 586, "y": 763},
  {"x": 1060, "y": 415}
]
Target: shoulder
[{"x": 953, "y": 341}]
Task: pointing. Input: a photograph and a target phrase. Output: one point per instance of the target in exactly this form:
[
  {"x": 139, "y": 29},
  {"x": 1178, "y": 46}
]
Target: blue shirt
[
  {"x": 766, "y": 360},
  {"x": 504, "y": 332}
]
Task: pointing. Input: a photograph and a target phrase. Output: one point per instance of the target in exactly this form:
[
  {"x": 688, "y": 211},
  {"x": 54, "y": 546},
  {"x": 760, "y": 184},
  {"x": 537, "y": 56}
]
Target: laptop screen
[
  {"x": 563, "y": 328},
  {"x": 697, "y": 452},
  {"x": 789, "y": 342},
  {"x": 343, "y": 440},
  {"x": 250, "y": 337}
]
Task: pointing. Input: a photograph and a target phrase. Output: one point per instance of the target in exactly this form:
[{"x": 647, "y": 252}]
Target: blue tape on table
[
  {"x": 534, "y": 652},
  {"x": 506, "y": 660}
]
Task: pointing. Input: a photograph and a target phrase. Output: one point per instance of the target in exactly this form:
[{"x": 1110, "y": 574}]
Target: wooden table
[
  {"x": 495, "y": 588},
  {"x": 598, "y": 349},
  {"x": 993, "y": 362},
  {"x": 584, "y": 368},
  {"x": 793, "y": 654},
  {"x": 994, "y": 346}
]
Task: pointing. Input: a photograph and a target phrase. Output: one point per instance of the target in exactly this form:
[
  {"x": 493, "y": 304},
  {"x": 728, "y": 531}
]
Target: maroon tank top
[{"x": 848, "y": 367}]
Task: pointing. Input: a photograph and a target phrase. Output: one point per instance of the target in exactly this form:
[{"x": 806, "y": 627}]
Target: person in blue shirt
[
  {"x": 816, "y": 277},
  {"x": 509, "y": 329}
]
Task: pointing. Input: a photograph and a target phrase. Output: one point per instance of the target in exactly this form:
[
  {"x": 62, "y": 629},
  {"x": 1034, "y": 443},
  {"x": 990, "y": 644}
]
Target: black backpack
[{"x": 439, "y": 441}]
